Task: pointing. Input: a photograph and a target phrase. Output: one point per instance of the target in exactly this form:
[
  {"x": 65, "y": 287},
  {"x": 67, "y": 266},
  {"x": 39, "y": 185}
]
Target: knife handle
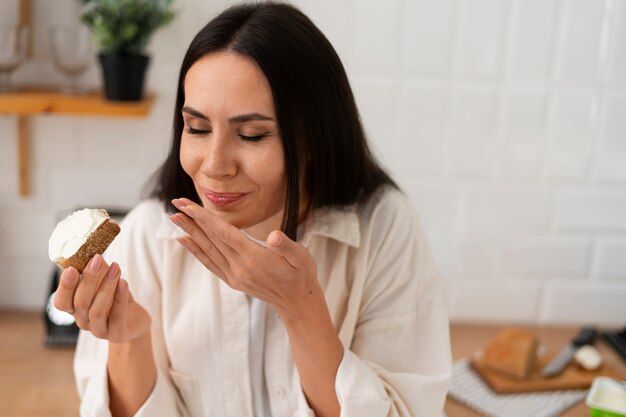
[{"x": 586, "y": 336}]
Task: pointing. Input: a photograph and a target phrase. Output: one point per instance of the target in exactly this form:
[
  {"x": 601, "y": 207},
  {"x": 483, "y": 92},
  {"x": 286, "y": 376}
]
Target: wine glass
[
  {"x": 13, "y": 44},
  {"x": 72, "y": 54}
]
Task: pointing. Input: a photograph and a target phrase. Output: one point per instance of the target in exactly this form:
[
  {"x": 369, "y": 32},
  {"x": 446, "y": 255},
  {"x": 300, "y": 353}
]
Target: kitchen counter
[
  {"x": 469, "y": 338},
  {"x": 37, "y": 381}
]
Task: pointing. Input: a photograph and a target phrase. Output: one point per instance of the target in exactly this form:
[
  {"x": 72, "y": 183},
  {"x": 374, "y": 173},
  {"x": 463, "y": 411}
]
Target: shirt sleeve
[
  {"x": 398, "y": 361},
  {"x": 133, "y": 249}
]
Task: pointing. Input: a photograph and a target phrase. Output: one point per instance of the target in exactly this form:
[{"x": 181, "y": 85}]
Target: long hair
[{"x": 318, "y": 121}]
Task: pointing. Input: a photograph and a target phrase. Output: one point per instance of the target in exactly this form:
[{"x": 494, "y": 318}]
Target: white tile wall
[
  {"x": 610, "y": 262},
  {"x": 611, "y": 148},
  {"x": 572, "y": 119},
  {"x": 617, "y": 57},
  {"x": 574, "y": 302},
  {"x": 580, "y": 42},
  {"x": 471, "y": 130},
  {"x": 522, "y": 135},
  {"x": 531, "y": 39},
  {"x": 503, "y": 120}
]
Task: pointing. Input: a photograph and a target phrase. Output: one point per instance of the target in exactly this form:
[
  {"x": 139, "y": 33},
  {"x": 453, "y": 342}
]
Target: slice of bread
[
  {"x": 97, "y": 242},
  {"x": 511, "y": 353},
  {"x": 81, "y": 235}
]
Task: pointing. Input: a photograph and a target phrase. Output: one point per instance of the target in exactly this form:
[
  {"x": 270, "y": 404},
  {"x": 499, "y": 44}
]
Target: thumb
[{"x": 294, "y": 253}]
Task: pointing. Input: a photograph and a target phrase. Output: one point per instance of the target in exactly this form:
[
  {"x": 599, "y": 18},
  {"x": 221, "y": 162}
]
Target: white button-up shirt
[{"x": 382, "y": 290}]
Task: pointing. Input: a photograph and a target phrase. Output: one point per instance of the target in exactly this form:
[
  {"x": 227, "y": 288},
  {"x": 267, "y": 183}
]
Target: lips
[{"x": 222, "y": 199}]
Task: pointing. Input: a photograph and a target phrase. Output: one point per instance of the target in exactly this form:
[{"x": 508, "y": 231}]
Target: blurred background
[{"x": 504, "y": 121}]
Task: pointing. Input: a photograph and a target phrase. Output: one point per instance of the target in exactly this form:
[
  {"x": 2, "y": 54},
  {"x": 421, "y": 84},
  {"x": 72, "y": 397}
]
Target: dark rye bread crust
[{"x": 97, "y": 242}]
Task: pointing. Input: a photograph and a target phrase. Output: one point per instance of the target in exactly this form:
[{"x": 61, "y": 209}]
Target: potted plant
[{"x": 121, "y": 30}]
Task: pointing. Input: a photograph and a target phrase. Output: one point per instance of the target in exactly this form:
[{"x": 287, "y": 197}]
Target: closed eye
[
  {"x": 254, "y": 138},
  {"x": 193, "y": 131}
]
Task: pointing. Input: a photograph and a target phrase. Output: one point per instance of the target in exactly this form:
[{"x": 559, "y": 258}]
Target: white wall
[{"x": 503, "y": 120}]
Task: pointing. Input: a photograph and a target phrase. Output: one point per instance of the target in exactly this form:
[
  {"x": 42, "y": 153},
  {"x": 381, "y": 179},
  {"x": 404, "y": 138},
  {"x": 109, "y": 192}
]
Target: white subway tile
[
  {"x": 376, "y": 102},
  {"x": 111, "y": 141},
  {"x": 523, "y": 132},
  {"x": 428, "y": 36},
  {"x": 376, "y": 35},
  {"x": 333, "y": 19},
  {"x": 54, "y": 139},
  {"x": 610, "y": 259},
  {"x": 494, "y": 301},
  {"x": 617, "y": 55},
  {"x": 8, "y": 139},
  {"x": 579, "y": 53},
  {"x": 436, "y": 206},
  {"x": 96, "y": 187},
  {"x": 613, "y": 122},
  {"x": 532, "y": 39},
  {"x": 571, "y": 130},
  {"x": 474, "y": 256},
  {"x": 501, "y": 209},
  {"x": 442, "y": 249},
  {"x": 420, "y": 130},
  {"x": 572, "y": 120},
  {"x": 39, "y": 185},
  {"x": 26, "y": 234},
  {"x": 25, "y": 282},
  {"x": 545, "y": 256},
  {"x": 591, "y": 210},
  {"x": 479, "y": 38},
  {"x": 584, "y": 303},
  {"x": 471, "y": 129},
  {"x": 610, "y": 160}
]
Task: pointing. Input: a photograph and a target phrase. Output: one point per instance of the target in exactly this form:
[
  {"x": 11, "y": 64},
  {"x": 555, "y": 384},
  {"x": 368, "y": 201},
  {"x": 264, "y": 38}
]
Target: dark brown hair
[{"x": 318, "y": 121}]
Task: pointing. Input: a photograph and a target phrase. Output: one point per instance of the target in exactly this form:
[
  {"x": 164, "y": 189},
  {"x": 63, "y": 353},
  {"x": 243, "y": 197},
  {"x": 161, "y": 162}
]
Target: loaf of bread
[
  {"x": 80, "y": 236},
  {"x": 511, "y": 353}
]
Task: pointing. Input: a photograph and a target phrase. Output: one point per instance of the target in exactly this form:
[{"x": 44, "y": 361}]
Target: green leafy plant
[{"x": 125, "y": 26}]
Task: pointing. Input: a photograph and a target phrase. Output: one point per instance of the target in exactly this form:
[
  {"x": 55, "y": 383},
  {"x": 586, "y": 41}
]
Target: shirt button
[{"x": 279, "y": 392}]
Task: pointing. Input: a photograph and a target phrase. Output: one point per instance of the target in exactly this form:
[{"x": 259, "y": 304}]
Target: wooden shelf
[
  {"x": 94, "y": 104},
  {"x": 34, "y": 102}
]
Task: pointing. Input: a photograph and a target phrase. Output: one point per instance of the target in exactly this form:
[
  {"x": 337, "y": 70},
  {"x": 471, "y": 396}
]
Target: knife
[{"x": 586, "y": 336}]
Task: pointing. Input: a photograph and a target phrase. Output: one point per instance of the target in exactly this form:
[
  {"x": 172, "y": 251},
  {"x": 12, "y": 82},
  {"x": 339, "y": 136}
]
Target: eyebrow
[{"x": 242, "y": 118}]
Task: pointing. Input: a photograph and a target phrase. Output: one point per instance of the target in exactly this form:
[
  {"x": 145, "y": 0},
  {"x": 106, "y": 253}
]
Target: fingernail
[
  {"x": 178, "y": 221},
  {"x": 71, "y": 275},
  {"x": 187, "y": 211},
  {"x": 114, "y": 269},
  {"x": 178, "y": 203},
  {"x": 95, "y": 264},
  {"x": 121, "y": 285},
  {"x": 277, "y": 239}
]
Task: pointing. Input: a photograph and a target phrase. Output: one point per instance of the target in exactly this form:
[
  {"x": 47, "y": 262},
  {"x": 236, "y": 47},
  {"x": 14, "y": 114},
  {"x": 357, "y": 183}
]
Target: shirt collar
[{"x": 338, "y": 223}]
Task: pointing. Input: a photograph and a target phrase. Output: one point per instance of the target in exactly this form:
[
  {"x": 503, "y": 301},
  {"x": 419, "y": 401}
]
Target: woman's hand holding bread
[{"x": 101, "y": 302}]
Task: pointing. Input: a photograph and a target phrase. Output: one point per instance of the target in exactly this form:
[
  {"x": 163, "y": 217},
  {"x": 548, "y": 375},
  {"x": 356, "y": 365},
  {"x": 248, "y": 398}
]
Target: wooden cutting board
[{"x": 571, "y": 378}]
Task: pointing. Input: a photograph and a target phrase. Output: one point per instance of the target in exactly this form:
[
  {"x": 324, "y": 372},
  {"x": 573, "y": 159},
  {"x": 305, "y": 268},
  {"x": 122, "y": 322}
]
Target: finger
[
  {"x": 64, "y": 295},
  {"x": 201, "y": 255},
  {"x": 294, "y": 253},
  {"x": 101, "y": 305},
  {"x": 215, "y": 228},
  {"x": 83, "y": 297},
  {"x": 117, "y": 316},
  {"x": 202, "y": 241}
]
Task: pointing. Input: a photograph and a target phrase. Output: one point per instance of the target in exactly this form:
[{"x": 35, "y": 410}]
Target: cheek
[{"x": 188, "y": 158}]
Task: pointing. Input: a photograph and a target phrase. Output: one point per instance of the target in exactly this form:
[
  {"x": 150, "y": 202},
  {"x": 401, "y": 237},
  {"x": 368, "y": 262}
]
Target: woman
[{"x": 277, "y": 270}]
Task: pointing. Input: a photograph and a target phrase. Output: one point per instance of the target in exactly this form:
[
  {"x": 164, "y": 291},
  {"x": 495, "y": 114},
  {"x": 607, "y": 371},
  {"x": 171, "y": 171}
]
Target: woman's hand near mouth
[{"x": 283, "y": 274}]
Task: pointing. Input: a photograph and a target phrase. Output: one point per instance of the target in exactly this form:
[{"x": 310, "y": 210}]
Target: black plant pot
[{"x": 124, "y": 76}]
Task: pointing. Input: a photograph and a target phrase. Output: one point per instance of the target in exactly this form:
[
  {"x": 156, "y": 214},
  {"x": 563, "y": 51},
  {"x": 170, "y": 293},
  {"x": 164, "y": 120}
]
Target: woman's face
[{"x": 230, "y": 145}]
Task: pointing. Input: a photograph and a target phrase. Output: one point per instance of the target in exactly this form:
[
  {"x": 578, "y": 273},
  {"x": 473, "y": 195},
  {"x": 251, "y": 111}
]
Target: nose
[{"x": 220, "y": 159}]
